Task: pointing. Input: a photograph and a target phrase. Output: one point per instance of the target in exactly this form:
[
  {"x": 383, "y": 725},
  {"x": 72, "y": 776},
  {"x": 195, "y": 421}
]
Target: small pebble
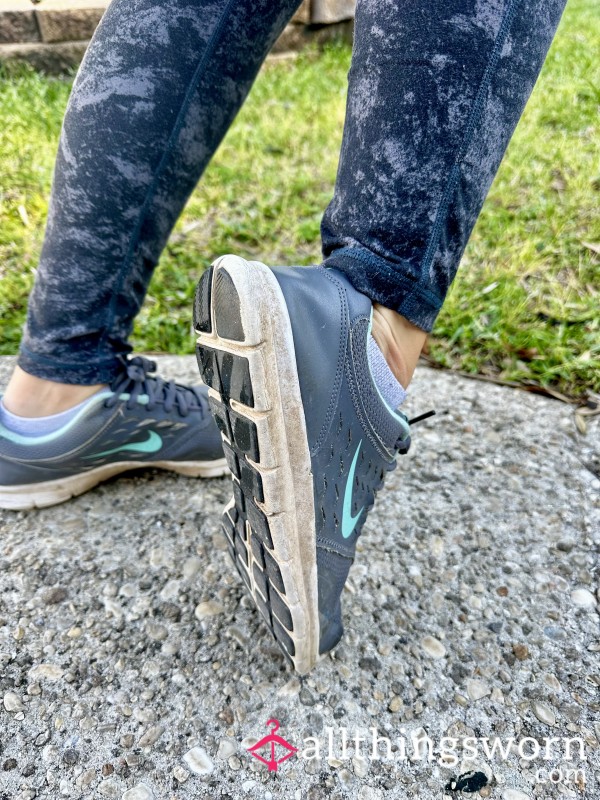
[
  {"x": 345, "y": 778},
  {"x": 156, "y": 631},
  {"x": 12, "y": 702},
  {"x": 191, "y": 567},
  {"x": 151, "y": 736},
  {"x": 70, "y": 757},
  {"x": 514, "y": 794},
  {"x": 139, "y": 792},
  {"x": 497, "y": 696},
  {"x": 55, "y": 595},
  {"x": 433, "y": 647},
  {"x": 87, "y": 776},
  {"x": 583, "y": 598},
  {"x": 249, "y": 742},
  {"x": 49, "y": 672},
  {"x": 477, "y": 689},
  {"x": 208, "y": 609},
  {"x": 543, "y": 712},
  {"x": 108, "y": 788},
  {"x": 396, "y": 704},
  {"x": 42, "y": 738},
  {"x": 144, "y": 714},
  {"x": 361, "y": 767},
  {"x": 239, "y": 635},
  {"x": 226, "y": 748},
  {"x": 291, "y": 688},
  {"x": 520, "y": 651},
  {"x": 180, "y": 774},
  {"x": 198, "y": 761}
]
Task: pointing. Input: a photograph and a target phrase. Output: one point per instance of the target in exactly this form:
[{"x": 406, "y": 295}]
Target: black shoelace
[
  {"x": 136, "y": 380},
  {"x": 421, "y": 417}
]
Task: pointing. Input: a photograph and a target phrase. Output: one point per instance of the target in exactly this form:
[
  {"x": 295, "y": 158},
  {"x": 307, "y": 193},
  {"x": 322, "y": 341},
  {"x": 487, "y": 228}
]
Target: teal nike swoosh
[
  {"x": 349, "y": 521},
  {"x": 152, "y": 444}
]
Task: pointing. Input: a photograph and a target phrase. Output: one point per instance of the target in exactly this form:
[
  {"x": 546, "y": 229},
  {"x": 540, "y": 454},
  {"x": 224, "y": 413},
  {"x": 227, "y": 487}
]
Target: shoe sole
[
  {"x": 246, "y": 357},
  {"x": 25, "y": 497}
]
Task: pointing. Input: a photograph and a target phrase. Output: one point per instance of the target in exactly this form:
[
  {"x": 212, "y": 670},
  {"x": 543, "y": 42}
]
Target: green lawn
[{"x": 525, "y": 305}]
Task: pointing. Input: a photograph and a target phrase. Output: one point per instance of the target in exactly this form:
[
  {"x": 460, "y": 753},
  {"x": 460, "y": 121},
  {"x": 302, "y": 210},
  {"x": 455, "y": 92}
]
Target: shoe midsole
[{"x": 46, "y": 493}]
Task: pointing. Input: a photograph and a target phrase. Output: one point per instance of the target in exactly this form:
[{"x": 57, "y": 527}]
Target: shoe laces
[
  {"x": 403, "y": 444},
  {"x": 402, "y": 447},
  {"x": 136, "y": 380}
]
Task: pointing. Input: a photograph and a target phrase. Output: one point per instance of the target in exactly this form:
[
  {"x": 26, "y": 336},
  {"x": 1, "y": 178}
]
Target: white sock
[
  {"x": 391, "y": 391},
  {"x": 39, "y": 426}
]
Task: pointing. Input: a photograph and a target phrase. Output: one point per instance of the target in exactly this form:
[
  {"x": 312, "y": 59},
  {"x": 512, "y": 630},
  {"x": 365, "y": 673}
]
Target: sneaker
[
  {"x": 140, "y": 421},
  {"x": 307, "y": 436}
]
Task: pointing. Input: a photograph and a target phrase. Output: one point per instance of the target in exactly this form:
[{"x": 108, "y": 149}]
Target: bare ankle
[
  {"x": 30, "y": 396},
  {"x": 399, "y": 340}
]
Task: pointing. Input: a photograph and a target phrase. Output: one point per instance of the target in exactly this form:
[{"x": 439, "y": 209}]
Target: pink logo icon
[{"x": 272, "y": 740}]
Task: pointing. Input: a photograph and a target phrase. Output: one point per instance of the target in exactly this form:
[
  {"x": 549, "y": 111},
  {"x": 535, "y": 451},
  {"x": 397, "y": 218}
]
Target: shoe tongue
[{"x": 390, "y": 390}]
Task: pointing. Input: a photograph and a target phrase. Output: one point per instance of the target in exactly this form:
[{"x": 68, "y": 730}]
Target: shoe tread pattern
[{"x": 245, "y": 526}]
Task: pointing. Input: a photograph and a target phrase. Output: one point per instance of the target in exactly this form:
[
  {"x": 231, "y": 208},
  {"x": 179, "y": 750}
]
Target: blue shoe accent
[
  {"x": 150, "y": 445},
  {"x": 349, "y": 519}
]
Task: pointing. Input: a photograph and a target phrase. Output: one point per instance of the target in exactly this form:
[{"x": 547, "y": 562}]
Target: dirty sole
[{"x": 246, "y": 356}]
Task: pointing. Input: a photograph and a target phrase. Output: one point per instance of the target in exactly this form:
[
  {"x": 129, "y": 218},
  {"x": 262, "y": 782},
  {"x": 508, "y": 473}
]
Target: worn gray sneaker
[
  {"x": 140, "y": 421},
  {"x": 307, "y": 435}
]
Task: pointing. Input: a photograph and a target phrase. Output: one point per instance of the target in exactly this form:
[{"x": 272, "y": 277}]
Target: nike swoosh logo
[
  {"x": 152, "y": 444},
  {"x": 348, "y": 520}
]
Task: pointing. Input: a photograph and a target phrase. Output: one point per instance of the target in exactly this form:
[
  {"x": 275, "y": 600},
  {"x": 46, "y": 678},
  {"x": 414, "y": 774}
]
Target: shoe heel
[{"x": 245, "y": 354}]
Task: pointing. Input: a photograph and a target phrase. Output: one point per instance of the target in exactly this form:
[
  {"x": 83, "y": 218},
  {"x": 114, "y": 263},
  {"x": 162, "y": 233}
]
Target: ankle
[
  {"x": 399, "y": 340},
  {"x": 29, "y": 396}
]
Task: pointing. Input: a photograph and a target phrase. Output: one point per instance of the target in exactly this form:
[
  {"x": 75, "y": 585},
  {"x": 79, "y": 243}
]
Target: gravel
[{"x": 132, "y": 666}]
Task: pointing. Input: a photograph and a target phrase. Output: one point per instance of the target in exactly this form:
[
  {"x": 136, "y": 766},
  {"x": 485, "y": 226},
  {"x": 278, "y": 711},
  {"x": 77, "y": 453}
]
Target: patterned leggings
[{"x": 436, "y": 89}]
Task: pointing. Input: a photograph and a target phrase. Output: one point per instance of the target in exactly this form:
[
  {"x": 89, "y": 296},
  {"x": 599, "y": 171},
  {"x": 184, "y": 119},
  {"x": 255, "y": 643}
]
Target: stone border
[{"x": 52, "y": 35}]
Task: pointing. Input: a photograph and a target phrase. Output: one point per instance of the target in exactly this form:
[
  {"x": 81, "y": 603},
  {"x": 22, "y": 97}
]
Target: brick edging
[{"x": 52, "y": 35}]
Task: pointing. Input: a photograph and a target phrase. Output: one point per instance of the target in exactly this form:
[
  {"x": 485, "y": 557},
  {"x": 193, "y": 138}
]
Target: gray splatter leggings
[{"x": 436, "y": 89}]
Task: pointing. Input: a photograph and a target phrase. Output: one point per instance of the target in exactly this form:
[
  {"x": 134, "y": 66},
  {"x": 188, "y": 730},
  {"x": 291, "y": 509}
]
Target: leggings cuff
[
  {"x": 81, "y": 374},
  {"x": 383, "y": 282}
]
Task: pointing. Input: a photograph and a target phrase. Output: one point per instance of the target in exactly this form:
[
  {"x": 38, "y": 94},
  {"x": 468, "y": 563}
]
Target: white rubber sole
[
  {"x": 49, "y": 493},
  {"x": 282, "y": 474}
]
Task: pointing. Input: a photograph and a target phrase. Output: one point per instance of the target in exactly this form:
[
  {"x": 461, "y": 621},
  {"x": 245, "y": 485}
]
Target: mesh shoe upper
[{"x": 353, "y": 436}]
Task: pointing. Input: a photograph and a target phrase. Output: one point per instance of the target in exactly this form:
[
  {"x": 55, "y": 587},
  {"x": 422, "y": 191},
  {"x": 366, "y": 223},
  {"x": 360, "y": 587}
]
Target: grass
[{"x": 525, "y": 304}]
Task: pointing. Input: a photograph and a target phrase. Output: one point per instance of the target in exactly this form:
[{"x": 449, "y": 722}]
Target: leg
[
  {"x": 158, "y": 88},
  {"x": 436, "y": 89},
  {"x": 160, "y": 84},
  {"x": 435, "y": 92}
]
